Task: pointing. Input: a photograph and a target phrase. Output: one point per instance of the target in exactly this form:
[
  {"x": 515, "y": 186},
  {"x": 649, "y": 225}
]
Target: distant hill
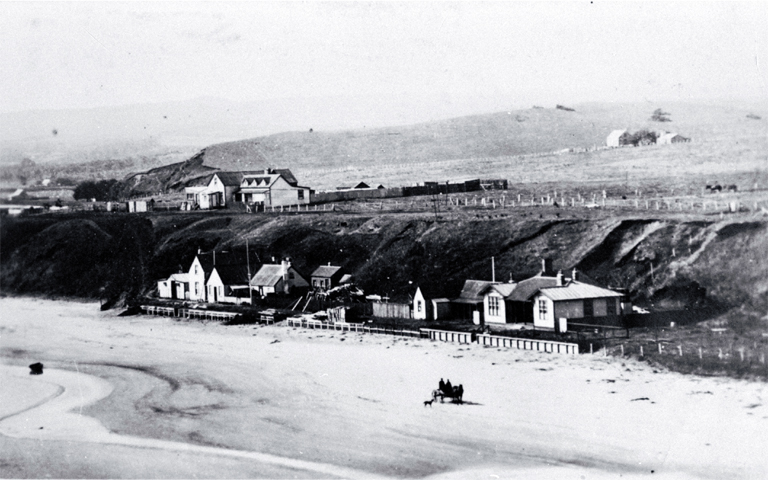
[
  {"x": 501, "y": 135},
  {"x": 487, "y": 145}
]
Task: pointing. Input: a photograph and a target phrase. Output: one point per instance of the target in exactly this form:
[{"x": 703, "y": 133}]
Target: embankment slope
[{"x": 667, "y": 261}]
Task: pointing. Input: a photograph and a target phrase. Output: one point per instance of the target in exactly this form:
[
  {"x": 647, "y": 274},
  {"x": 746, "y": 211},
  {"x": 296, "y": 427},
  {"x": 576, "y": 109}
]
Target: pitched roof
[
  {"x": 326, "y": 271},
  {"x": 232, "y": 274},
  {"x": 221, "y": 259},
  {"x": 504, "y": 289},
  {"x": 472, "y": 291},
  {"x": 616, "y": 134},
  {"x": 287, "y": 175},
  {"x": 230, "y": 179},
  {"x": 528, "y": 287},
  {"x": 259, "y": 181},
  {"x": 179, "y": 277},
  {"x": 576, "y": 291},
  {"x": 268, "y": 275}
]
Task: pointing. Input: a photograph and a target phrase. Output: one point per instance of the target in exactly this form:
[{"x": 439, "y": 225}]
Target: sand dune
[{"x": 176, "y": 399}]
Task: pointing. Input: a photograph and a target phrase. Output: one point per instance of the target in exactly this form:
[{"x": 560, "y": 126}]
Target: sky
[{"x": 64, "y": 55}]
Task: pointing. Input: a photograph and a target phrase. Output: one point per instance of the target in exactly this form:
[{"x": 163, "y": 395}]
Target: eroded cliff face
[{"x": 664, "y": 262}]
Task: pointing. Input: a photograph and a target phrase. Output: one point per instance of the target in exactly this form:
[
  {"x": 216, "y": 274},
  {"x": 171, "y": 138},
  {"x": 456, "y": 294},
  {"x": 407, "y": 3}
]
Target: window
[
  {"x": 611, "y": 306},
  {"x": 195, "y": 269},
  {"x": 301, "y": 194},
  {"x": 542, "y": 309},
  {"x": 589, "y": 310},
  {"x": 418, "y": 306},
  {"x": 290, "y": 275},
  {"x": 493, "y": 306},
  {"x": 197, "y": 288}
]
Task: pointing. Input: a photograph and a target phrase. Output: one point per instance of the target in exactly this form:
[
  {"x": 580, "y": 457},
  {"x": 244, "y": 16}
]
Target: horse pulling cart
[{"x": 454, "y": 393}]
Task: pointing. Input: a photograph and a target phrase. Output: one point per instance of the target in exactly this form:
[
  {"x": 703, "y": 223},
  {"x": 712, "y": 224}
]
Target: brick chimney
[
  {"x": 574, "y": 275},
  {"x": 559, "y": 281}
]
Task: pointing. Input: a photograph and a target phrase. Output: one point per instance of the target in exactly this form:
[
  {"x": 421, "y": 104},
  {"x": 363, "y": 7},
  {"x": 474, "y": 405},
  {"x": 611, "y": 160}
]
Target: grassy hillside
[
  {"x": 724, "y": 140},
  {"x": 516, "y": 145},
  {"x": 665, "y": 260}
]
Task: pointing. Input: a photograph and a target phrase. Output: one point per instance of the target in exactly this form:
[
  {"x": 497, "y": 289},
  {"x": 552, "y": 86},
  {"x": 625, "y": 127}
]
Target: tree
[
  {"x": 660, "y": 115},
  {"x": 643, "y": 137},
  {"x": 102, "y": 191}
]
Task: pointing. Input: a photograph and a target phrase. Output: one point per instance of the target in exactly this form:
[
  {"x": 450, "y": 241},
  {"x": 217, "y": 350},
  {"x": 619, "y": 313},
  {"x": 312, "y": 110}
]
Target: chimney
[
  {"x": 546, "y": 266},
  {"x": 559, "y": 278},
  {"x": 286, "y": 263},
  {"x": 573, "y": 275}
]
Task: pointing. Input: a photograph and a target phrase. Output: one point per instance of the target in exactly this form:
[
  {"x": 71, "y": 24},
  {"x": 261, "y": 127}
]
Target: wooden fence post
[
  {"x": 659, "y": 348},
  {"x": 641, "y": 350},
  {"x": 701, "y": 354},
  {"x": 590, "y": 348},
  {"x": 680, "y": 349},
  {"x": 622, "y": 349}
]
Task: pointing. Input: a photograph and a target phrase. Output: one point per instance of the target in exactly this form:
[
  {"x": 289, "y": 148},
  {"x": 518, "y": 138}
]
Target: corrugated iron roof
[
  {"x": 577, "y": 291},
  {"x": 179, "y": 277},
  {"x": 267, "y": 276}
]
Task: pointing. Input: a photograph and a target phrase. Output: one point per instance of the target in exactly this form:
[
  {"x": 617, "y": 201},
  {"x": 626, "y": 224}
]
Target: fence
[
  {"x": 447, "y": 336},
  {"x": 352, "y": 327},
  {"x": 528, "y": 344},
  {"x": 189, "y": 313},
  {"x": 391, "y": 310}
]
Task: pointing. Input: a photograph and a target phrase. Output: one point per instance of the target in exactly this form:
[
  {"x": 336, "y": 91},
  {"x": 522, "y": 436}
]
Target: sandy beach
[{"x": 146, "y": 397}]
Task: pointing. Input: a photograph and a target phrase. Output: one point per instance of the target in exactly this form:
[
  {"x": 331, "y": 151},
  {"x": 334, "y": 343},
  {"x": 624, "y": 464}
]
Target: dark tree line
[{"x": 102, "y": 190}]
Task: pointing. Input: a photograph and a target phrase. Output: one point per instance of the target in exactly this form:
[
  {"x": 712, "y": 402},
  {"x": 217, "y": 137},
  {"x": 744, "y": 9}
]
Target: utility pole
[
  {"x": 493, "y": 270},
  {"x": 248, "y": 263}
]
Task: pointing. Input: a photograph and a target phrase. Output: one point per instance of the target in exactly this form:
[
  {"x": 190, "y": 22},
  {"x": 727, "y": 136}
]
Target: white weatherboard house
[
  {"x": 669, "y": 138},
  {"x": 575, "y": 301},
  {"x": 228, "y": 284},
  {"x": 419, "y": 305},
  {"x": 495, "y": 303},
  {"x": 266, "y": 188},
  {"x": 197, "y": 278},
  {"x": 272, "y": 188},
  {"x": 175, "y": 287},
  {"x": 617, "y": 138}
]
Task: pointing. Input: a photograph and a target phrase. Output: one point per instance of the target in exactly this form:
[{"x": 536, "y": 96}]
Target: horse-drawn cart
[{"x": 454, "y": 393}]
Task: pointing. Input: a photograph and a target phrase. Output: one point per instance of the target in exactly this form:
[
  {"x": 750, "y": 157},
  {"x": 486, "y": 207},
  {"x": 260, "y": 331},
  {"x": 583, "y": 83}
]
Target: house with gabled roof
[
  {"x": 272, "y": 188},
  {"x": 469, "y": 303},
  {"x": 326, "y": 277},
  {"x": 175, "y": 287},
  {"x": 572, "y": 300},
  {"x": 265, "y": 188},
  {"x": 202, "y": 266},
  {"x": 513, "y": 302},
  {"x": 228, "y": 284},
  {"x": 277, "y": 278},
  {"x": 617, "y": 138},
  {"x": 670, "y": 138}
]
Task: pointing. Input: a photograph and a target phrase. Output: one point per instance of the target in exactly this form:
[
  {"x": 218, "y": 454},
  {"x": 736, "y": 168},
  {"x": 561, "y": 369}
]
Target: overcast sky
[{"x": 74, "y": 55}]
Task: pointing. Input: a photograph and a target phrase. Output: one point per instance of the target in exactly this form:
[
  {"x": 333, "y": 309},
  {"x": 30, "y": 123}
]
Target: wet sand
[{"x": 156, "y": 398}]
